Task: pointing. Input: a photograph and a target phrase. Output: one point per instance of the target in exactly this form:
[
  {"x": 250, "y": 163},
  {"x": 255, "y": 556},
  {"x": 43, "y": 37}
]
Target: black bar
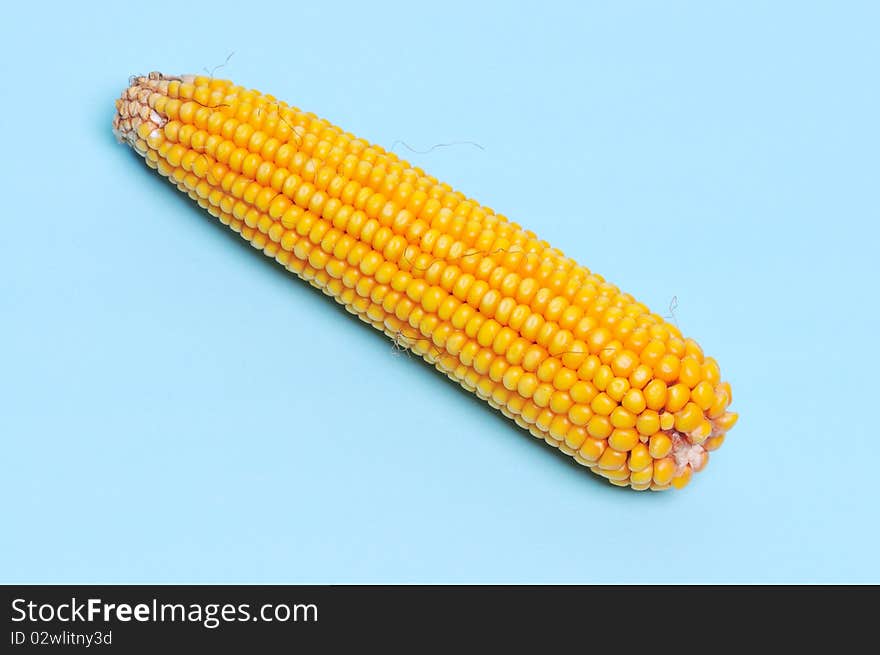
[{"x": 244, "y": 618}]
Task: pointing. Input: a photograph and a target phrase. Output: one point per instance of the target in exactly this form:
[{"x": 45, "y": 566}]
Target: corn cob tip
[{"x": 133, "y": 109}]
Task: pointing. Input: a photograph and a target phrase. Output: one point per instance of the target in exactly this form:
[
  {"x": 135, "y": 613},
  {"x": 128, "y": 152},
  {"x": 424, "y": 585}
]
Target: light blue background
[{"x": 175, "y": 408}]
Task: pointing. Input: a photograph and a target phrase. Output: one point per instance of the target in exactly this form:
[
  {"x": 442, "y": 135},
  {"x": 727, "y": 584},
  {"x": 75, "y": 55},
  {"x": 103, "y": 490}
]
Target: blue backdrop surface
[{"x": 175, "y": 408}]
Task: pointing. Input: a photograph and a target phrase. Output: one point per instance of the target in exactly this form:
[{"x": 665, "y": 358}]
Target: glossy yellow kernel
[
  {"x": 622, "y": 418},
  {"x": 565, "y": 379},
  {"x": 610, "y": 352},
  {"x": 599, "y": 427},
  {"x": 545, "y": 418},
  {"x": 660, "y": 445},
  {"x": 620, "y": 476},
  {"x": 559, "y": 427},
  {"x": 710, "y": 371},
  {"x": 530, "y": 412},
  {"x": 542, "y": 395},
  {"x": 675, "y": 345},
  {"x": 580, "y": 414},
  {"x": 385, "y": 273},
  {"x": 431, "y": 298},
  {"x": 664, "y": 470},
  {"x": 603, "y": 377},
  {"x": 719, "y": 406},
  {"x": 642, "y": 476},
  {"x": 598, "y": 338},
  {"x": 575, "y": 437},
  {"x": 624, "y": 363},
  {"x": 511, "y": 377},
  {"x": 560, "y": 402},
  {"x": 680, "y": 481},
  {"x": 583, "y": 392},
  {"x": 592, "y": 449},
  {"x": 655, "y": 394},
  {"x": 533, "y": 357},
  {"x": 634, "y": 401},
  {"x": 487, "y": 333},
  {"x": 548, "y": 369},
  {"x": 703, "y": 394},
  {"x": 602, "y": 405},
  {"x": 617, "y": 388},
  {"x": 668, "y": 368},
  {"x": 692, "y": 349},
  {"x": 648, "y": 422},
  {"x": 652, "y": 353},
  {"x": 560, "y": 342},
  {"x": 516, "y": 351},
  {"x": 589, "y": 367},
  {"x": 726, "y": 421},
  {"x": 639, "y": 458},
  {"x": 641, "y": 376},
  {"x": 612, "y": 460},
  {"x": 688, "y": 418},
  {"x": 623, "y": 439},
  {"x": 690, "y": 373},
  {"x": 370, "y": 263},
  {"x": 713, "y": 443},
  {"x": 527, "y": 385},
  {"x": 677, "y": 397},
  {"x": 702, "y": 432}
]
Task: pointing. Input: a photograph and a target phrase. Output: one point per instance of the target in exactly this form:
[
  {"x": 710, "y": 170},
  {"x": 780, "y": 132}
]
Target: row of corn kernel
[
  {"x": 611, "y": 473},
  {"x": 690, "y": 416},
  {"x": 244, "y": 114},
  {"x": 679, "y": 394}
]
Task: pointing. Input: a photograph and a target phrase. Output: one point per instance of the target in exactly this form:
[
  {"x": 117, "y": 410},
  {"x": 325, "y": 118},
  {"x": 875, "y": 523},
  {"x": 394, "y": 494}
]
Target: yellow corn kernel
[
  {"x": 655, "y": 394},
  {"x": 726, "y": 421},
  {"x": 642, "y": 476},
  {"x": 583, "y": 392},
  {"x": 677, "y": 397},
  {"x": 580, "y": 414},
  {"x": 612, "y": 460},
  {"x": 641, "y": 376},
  {"x": 668, "y": 368},
  {"x": 664, "y": 470},
  {"x": 617, "y": 388},
  {"x": 575, "y": 437},
  {"x": 623, "y": 439},
  {"x": 703, "y": 395},
  {"x": 681, "y": 480},
  {"x": 689, "y": 418},
  {"x": 602, "y": 405},
  {"x": 713, "y": 443},
  {"x": 554, "y": 347},
  {"x": 622, "y": 418},
  {"x": 660, "y": 445},
  {"x": 592, "y": 449},
  {"x": 690, "y": 372},
  {"x": 634, "y": 401},
  {"x": 615, "y": 475},
  {"x": 599, "y": 427},
  {"x": 639, "y": 457},
  {"x": 699, "y": 434}
]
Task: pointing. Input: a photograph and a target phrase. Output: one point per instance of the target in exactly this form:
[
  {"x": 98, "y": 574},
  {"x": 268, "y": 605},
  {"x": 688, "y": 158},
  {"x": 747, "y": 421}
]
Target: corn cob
[{"x": 553, "y": 346}]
